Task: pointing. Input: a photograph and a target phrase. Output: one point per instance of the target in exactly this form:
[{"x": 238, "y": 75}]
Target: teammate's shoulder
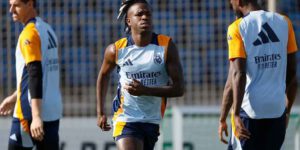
[
  {"x": 121, "y": 43},
  {"x": 30, "y": 27},
  {"x": 285, "y": 18},
  {"x": 235, "y": 23},
  {"x": 123, "y": 39},
  {"x": 163, "y": 36},
  {"x": 30, "y": 31},
  {"x": 163, "y": 39}
]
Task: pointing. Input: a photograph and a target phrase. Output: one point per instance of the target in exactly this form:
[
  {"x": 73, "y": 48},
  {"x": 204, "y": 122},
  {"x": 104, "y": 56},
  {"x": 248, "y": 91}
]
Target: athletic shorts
[
  {"x": 147, "y": 132},
  {"x": 20, "y": 137},
  {"x": 266, "y": 134}
]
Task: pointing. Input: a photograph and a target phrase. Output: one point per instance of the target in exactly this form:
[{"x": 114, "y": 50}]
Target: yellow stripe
[
  {"x": 119, "y": 45},
  {"x": 25, "y": 125},
  {"x": 30, "y": 44},
  {"x": 233, "y": 125},
  {"x": 19, "y": 113},
  {"x": 164, "y": 41},
  {"x": 235, "y": 41},
  {"x": 118, "y": 128},
  {"x": 120, "y": 110},
  {"x": 292, "y": 44}
]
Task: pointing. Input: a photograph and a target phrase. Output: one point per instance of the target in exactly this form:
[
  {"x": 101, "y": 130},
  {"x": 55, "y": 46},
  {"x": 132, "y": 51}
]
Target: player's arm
[
  {"x": 238, "y": 86},
  {"x": 225, "y": 107},
  {"x": 102, "y": 85},
  {"x": 36, "y": 92},
  {"x": 32, "y": 53},
  {"x": 7, "y": 105},
  {"x": 291, "y": 81},
  {"x": 227, "y": 99},
  {"x": 174, "y": 69},
  {"x": 237, "y": 56},
  {"x": 291, "y": 78},
  {"x": 291, "y": 84}
]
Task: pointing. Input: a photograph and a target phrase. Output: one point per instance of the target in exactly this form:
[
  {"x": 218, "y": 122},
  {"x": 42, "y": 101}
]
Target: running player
[
  {"x": 149, "y": 69},
  {"x": 262, "y": 49},
  {"x": 37, "y": 100}
]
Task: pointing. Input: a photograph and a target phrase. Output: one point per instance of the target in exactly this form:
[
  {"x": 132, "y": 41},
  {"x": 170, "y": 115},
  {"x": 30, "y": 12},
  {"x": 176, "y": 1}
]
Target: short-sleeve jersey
[
  {"x": 147, "y": 65},
  {"x": 264, "y": 39},
  {"x": 38, "y": 42}
]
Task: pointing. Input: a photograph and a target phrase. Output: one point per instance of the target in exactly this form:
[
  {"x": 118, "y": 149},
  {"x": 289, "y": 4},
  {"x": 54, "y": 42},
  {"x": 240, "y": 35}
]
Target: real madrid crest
[{"x": 157, "y": 59}]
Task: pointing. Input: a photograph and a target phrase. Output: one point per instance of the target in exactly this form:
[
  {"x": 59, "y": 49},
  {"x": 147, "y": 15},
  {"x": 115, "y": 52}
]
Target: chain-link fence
[{"x": 85, "y": 27}]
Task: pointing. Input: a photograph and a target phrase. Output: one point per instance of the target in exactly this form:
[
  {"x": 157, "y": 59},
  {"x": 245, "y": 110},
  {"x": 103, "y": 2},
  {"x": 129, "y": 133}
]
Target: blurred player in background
[
  {"x": 37, "y": 100},
  {"x": 262, "y": 81},
  {"x": 149, "y": 69}
]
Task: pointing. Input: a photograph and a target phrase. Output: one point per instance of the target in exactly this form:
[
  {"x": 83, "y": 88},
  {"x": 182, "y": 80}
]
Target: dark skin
[
  {"x": 227, "y": 101},
  {"x": 238, "y": 85},
  {"x": 140, "y": 21},
  {"x": 291, "y": 84},
  {"x": 238, "y": 69},
  {"x": 239, "y": 76},
  {"x": 225, "y": 107}
]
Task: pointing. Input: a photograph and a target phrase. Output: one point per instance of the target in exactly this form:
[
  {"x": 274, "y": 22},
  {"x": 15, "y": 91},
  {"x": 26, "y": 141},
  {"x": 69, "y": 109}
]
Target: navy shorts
[
  {"x": 20, "y": 137},
  {"x": 266, "y": 134},
  {"x": 147, "y": 132}
]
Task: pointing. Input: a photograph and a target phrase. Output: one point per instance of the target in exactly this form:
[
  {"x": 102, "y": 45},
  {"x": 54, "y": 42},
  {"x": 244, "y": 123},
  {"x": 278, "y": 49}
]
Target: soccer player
[
  {"x": 37, "y": 100},
  {"x": 262, "y": 80},
  {"x": 149, "y": 69}
]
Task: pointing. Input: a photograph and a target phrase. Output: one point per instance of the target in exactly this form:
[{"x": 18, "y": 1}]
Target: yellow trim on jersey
[
  {"x": 30, "y": 44},
  {"x": 25, "y": 125},
  {"x": 120, "y": 110},
  {"x": 235, "y": 41},
  {"x": 233, "y": 124},
  {"x": 291, "y": 45},
  {"x": 164, "y": 41},
  {"x": 119, "y": 45},
  {"x": 19, "y": 113},
  {"x": 118, "y": 128}
]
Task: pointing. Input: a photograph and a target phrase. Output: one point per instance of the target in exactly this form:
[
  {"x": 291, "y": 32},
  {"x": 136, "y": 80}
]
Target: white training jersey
[
  {"x": 147, "y": 65},
  {"x": 38, "y": 42},
  {"x": 264, "y": 39}
]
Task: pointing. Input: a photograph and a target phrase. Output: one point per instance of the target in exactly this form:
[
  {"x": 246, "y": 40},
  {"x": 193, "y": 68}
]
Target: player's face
[
  {"x": 235, "y": 7},
  {"x": 139, "y": 17},
  {"x": 19, "y": 10}
]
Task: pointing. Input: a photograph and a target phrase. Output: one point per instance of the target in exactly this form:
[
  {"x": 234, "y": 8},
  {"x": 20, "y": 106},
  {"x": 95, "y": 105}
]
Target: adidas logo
[
  {"x": 13, "y": 137},
  {"x": 127, "y": 63},
  {"x": 266, "y": 35},
  {"x": 52, "y": 43}
]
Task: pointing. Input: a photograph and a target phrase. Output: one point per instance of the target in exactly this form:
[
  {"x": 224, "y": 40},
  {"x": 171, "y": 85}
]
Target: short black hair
[
  {"x": 246, "y": 2},
  {"x": 26, "y": 1},
  {"x": 126, "y": 4}
]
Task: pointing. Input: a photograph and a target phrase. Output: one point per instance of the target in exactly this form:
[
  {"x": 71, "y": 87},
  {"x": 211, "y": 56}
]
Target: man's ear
[{"x": 128, "y": 22}]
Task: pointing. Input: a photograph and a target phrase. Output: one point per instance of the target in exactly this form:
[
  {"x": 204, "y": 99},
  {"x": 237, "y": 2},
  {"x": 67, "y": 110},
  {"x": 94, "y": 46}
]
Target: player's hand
[
  {"x": 135, "y": 88},
  {"x": 7, "y": 106},
  {"x": 223, "y": 128},
  {"x": 37, "y": 129},
  {"x": 240, "y": 130},
  {"x": 102, "y": 123}
]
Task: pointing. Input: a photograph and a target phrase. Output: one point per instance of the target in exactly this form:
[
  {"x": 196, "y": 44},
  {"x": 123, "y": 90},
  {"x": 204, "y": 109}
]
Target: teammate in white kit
[
  {"x": 37, "y": 100},
  {"x": 262, "y": 77},
  {"x": 150, "y": 71}
]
